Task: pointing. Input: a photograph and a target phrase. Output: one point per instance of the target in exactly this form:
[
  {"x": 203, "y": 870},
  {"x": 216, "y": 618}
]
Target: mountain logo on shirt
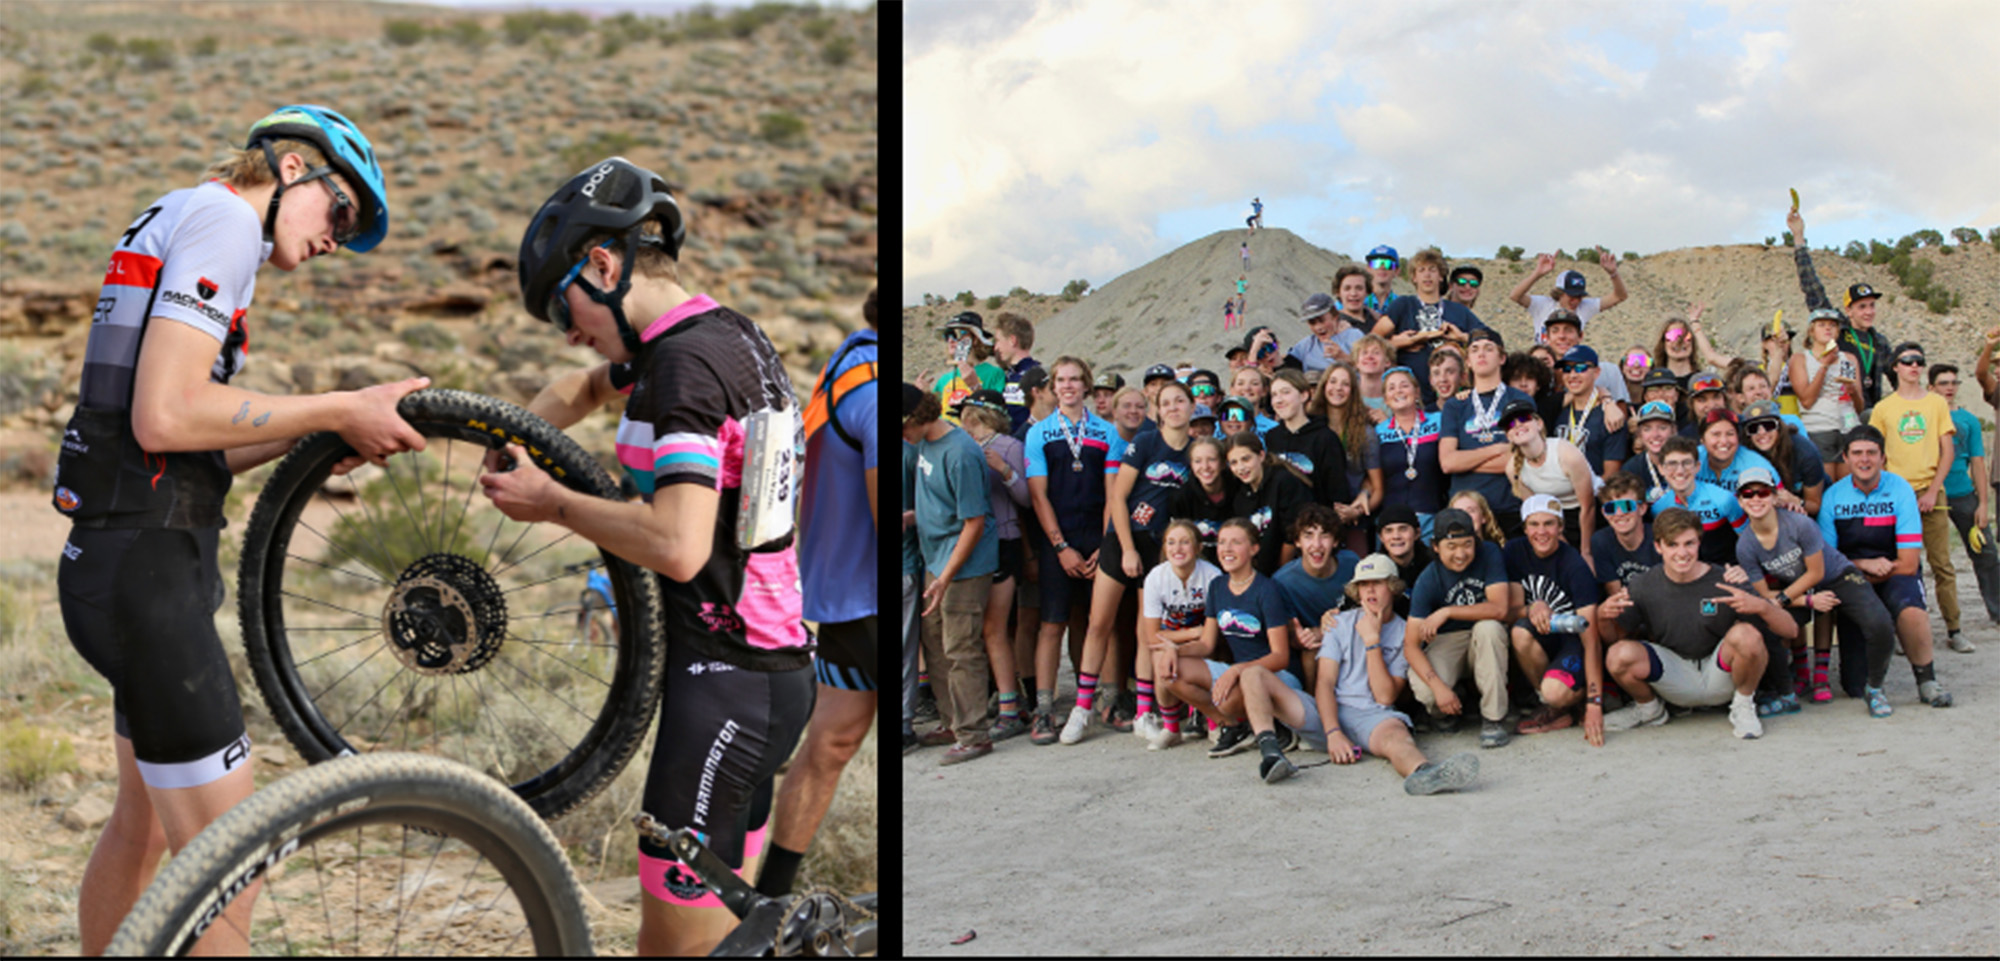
[
  {"x": 1299, "y": 462},
  {"x": 1261, "y": 519},
  {"x": 1910, "y": 427},
  {"x": 1166, "y": 473},
  {"x": 1239, "y": 622},
  {"x": 1208, "y": 529}
]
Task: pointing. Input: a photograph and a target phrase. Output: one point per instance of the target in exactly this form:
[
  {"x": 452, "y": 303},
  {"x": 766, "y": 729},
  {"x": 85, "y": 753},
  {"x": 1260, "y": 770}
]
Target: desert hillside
[{"x": 1170, "y": 309}]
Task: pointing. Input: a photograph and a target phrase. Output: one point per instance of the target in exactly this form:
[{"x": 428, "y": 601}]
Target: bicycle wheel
[
  {"x": 369, "y": 856},
  {"x": 416, "y": 618}
]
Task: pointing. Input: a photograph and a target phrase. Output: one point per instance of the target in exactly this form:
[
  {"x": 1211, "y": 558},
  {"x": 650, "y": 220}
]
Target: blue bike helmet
[{"x": 346, "y": 149}]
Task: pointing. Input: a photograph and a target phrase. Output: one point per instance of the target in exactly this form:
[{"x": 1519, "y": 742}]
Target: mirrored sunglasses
[
  {"x": 1381, "y": 263},
  {"x": 1623, "y": 505},
  {"x": 1638, "y": 359},
  {"x": 1467, "y": 282},
  {"x": 1238, "y": 414},
  {"x": 1515, "y": 421},
  {"x": 1752, "y": 493},
  {"x": 1576, "y": 367},
  {"x": 1205, "y": 390}
]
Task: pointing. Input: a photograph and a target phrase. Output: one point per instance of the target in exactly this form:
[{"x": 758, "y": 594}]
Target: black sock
[
  {"x": 1924, "y": 672},
  {"x": 1268, "y": 742},
  {"x": 781, "y": 869}
]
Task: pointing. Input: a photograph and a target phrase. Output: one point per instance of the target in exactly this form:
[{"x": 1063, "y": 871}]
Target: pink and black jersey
[
  {"x": 190, "y": 258},
  {"x": 702, "y": 370}
]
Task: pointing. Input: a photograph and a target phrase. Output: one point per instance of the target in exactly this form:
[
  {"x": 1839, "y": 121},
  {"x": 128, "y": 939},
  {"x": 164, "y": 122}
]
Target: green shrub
[
  {"x": 1928, "y": 238},
  {"x": 781, "y": 127},
  {"x": 1768, "y": 241},
  {"x": 818, "y": 28},
  {"x": 469, "y": 34},
  {"x": 837, "y": 51},
  {"x": 206, "y": 45},
  {"x": 967, "y": 298},
  {"x": 609, "y": 45},
  {"x": 403, "y": 33},
  {"x": 1854, "y": 250},
  {"x": 1075, "y": 289},
  {"x": 1993, "y": 237},
  {"x": 701, "y": 23},
  {"x": 102, "y": 44},
  {"x": 1508, "y": 253},
  {"x": 1631, "y": 255},
  {"x": 1018, "y": 293},
  {"x": 1879, "y": 252},
  {"x": 33, "y": 755},
  {"x": 36, "y": 84},
  {"x": 994, "y": 302},
  {"x": 429, "y": 336},
  {"x": 602, "y": 144},
  {"x": 744, "y": 22},
  {"x": 1586, "y": 254},
  {"x": 1965, "y": 235},
  {"x": 153, "y": 54}
]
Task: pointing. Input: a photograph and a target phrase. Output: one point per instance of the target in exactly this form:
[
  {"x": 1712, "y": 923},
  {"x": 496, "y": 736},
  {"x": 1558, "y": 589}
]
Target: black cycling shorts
[
  {"x": 846, "y": 657},
  {"x": 139, "y": 604},
  {"x": 724, "y": 730}
]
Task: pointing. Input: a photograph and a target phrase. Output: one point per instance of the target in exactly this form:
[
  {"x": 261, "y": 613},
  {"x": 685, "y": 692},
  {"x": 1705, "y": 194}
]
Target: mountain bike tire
[
  {"x": 287, "y": 822},
  {"x": 474, "y": 593}
]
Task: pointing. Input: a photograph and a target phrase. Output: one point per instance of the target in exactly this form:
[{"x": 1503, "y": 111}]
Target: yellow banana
[
  {"x": 1778, "y": 322},
  {"x": 1978, "y": 540},
  {"x": 1795, "y": 198}
]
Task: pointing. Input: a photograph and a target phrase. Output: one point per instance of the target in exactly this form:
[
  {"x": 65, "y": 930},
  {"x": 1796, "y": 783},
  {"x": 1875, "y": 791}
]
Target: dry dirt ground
[{"x": 1833, "y": 834}]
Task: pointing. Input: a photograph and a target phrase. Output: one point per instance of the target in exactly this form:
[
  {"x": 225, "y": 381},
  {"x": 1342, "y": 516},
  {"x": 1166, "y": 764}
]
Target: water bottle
[{"x": 1567, "y": 624}]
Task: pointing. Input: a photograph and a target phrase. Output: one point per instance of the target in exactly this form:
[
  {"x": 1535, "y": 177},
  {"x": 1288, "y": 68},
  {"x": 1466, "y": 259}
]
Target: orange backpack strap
[{"x": 826, "y": 400}]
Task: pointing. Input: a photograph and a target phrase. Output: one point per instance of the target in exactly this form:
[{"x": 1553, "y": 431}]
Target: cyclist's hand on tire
[
  {"x": 374, "y": 428},
  {"x": 347, "y": 464},
  {"x": 526, "y": 493}
]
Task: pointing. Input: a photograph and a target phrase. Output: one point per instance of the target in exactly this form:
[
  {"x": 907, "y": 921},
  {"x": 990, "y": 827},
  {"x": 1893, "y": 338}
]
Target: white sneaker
[
  {"x": 1648, "y": 713},
  {"x": 1957, "y": 642},
  {"x": 1165, "y": 738},
  {"x": 1148, "y": 726},
  {"x": 1743, "y": 717},
  {"x": 1079, "y": 720}
]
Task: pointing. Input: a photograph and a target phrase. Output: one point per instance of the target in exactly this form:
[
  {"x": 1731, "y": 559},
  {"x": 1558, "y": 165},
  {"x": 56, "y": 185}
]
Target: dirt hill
[{"x": 1170, "y": 309}]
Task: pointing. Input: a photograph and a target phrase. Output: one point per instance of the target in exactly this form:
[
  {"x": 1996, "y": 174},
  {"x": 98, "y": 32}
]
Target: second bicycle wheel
[{"x": 395, "y": 608}]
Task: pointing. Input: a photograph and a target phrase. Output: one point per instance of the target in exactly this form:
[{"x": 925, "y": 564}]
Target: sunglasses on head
[
  {"x": 1382, "y": 263},
  {"x": 1467, "y": 282},
  {"x": 1623, "y": 505},
  {"x": 1917, "y": 359},
  {"x": 1752, "y": 493}
]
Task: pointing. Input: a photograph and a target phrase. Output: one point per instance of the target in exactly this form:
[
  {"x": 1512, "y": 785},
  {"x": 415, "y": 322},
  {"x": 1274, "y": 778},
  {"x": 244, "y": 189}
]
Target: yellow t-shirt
[{"x": 1910, "y": 431}]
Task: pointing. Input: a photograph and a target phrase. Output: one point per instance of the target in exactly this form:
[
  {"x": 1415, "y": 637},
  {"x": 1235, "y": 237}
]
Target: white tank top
[
  {"x": 1833, "y": 411},
  {"x": 1549, "y": 478}
]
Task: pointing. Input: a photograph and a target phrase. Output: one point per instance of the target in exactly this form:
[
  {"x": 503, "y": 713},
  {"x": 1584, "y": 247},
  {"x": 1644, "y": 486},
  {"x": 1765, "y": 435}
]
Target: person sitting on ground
[
  {"x": 1570, "y": 292},
  {"x": 1827, "y": 380},
  {"x": 1330, "y": 339},
  {"x": 1678, "y": 633},
  {"x": 1307, "y": 445},
  {"x": 1590, "y": 421},
  {"x": 1623, "y": 548},
  {"x": 1173, "y": 606},
  {"x": 1402, "y": 540},
  {"x": 1705, "y": 393},
  {"x": 1415, "y": 323},
  {"x": 1268, "y": 496},
  {"x": 1550, "y": 465},
  {"x": 1871, "y": 517},
  {"x": 1245, "y": 617},
  {"x": 1352, "y": 707},
  {"x": 1456, "y": 613},
  {"x": 1552, "y": 585},
  {"x": 1464, "y": 283},
  {"x": 1801, "y": 478},
  {"x": 1312, "y": 581},
  {"x": 1723, "y": 458},
  {"x": 1721, "y": 517}
]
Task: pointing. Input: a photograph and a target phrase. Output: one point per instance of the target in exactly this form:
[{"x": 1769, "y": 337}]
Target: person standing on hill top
[
  {"x": 1256, "y": 218},
  {"x": 1382, "y": 266},
  {"x": 1013, "y": 336},
  {"x": 1569, "y": 293},
  {"x": 147, "y": 459},
  {"x": 1464, "y": 284},
  {"x": 1858, "y": 335}
]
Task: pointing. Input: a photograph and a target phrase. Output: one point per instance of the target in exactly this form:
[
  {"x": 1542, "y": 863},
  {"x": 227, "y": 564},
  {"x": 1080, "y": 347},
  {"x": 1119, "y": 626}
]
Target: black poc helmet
[{"x": 613, "y": 195}]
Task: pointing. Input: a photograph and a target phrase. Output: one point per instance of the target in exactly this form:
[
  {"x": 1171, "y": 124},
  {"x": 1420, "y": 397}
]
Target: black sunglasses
[
  {"x": 1759, "y": 427},
  {"x": 1916, "y": 359},
  {"x": 1516, "y": 421}
]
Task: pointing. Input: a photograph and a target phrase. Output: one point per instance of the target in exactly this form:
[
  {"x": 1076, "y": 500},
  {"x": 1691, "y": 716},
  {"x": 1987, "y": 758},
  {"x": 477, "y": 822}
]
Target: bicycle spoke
[
  {"x": 374, "y": 528},
  {"x": 567, "y": 534},
  {"x": 342, "y": 726},
  {"x": 315, "y": 600},
  {"x": 390, "y": 718},
  {"x": 510, "y": 548},
  {"x": 529, "y": 708},
  {"x": 398, "y": 488},
  {"x": 466, "y": 507},
  {"x": 545, "y": 688},
  {"x": 456, "y": 901},
  {"x": 336, "y": 650},
  {"x": 342, "y": 516},
  {"x": 350, "y": 673},
  {"x": 546, "y": 580},
  {"x": 536, "y": 646},
  {"x": 339, "y": 570}
]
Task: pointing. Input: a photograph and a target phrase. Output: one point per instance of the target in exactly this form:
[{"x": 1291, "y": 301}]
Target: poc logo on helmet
[{"x": 590, "y": 189}]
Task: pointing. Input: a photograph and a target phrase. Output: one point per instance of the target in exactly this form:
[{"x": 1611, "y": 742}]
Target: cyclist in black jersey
[
  {"x": 146, "y": 461},
  {"x": 710, "y": 414}
]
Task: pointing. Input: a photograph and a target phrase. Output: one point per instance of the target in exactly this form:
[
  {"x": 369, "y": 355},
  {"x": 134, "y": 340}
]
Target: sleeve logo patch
[{"x": 206, "y": 288}]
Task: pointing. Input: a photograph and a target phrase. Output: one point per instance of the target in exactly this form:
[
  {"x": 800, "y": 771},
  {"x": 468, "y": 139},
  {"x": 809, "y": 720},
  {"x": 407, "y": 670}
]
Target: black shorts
[
  {"x": 1111, "y": 557},
  {"x": 723, "y": 732},
  {"x": 846, "y": 657},
  {"x": 139, "y": 604},
  {"x": 1010, "y": 559}
]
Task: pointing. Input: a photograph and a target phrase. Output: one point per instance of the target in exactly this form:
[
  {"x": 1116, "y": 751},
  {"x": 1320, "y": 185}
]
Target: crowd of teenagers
[{"x": 1327, "y": 544}]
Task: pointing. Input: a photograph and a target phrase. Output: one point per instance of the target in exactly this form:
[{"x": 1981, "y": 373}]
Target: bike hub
[{"x": 446, "y": 615}]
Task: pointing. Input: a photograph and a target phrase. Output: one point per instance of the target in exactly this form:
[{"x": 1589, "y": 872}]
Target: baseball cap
[
  {"x": 1374, "y": 567},
  {"x": 1561, "y": 316},
  {"x": 1385, "y": 251},
  {"x": 1397, "y": 514},
  {"x": 1660, "y": 377},
  {"x": 1755, "y": 475},
  {"x": 1467, "y": 269},
  {"x": 1581, "y": 353},
  {"x": 1452, "y": 522},
  {"x": 1761, "y": 410},
  {"x": 1316, "y": 306},
  {"x": 1570, "y": 283},
  {"x": 1109, "y": 381},
  {"x": 1231, "y": 353},
  {"x": 911, "y": 395},
  {"x": 1204, "y": 374},
  {"x": 1861, "y": 292},
  {"x": 1034, "y": 377},
  {"x": 1826, "y": 313},
  {"x": 1240, "y": 403},
  {"x": 990, "y": 399},
  {"x": 971, "y": 321},
  {"x": 1486, "y": 333},
  {"x": 1159, "y": 372},
  {"x": 1519, "y": 405},
  {"x": 1541, "y": 504},
  {"x": 1656, "y": 410},
  {"x": 1703, "y": 382},
  {"x": 1201, "y": 412}
]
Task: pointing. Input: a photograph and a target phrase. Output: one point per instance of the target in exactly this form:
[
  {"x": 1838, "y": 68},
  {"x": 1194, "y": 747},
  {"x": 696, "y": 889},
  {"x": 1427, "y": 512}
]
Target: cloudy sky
[{"x": 1047, "y": 140}]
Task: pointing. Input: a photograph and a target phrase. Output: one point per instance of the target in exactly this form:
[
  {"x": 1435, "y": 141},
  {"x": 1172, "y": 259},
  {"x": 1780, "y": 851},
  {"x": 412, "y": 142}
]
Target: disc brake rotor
[{"x": 446, "y": 615}]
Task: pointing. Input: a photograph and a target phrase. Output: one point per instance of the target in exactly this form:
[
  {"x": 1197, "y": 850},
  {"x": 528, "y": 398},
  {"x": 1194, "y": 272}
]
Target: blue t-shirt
[
  {"x": 1744, "y": 460},
  {"x": 1967, "y": 442},
  {"x": 1017, "y": 396},
  {"x": 1246, "y": 619},
  {"x": 1311, "y": 354},
  {"x": 1162, "y": 471},
  {"x": 1457, "y": 418},
  {"x": 1345, "y": 647},
  {"x": 1785, "y": 560},
  {"x": 1439, "y": 587},
  {"x": 837, "y": 535},
  {"x": 913, "y": 553},
  {"x": 1872, "y": 525},
  {"x": 1562, "y": 580},
  {"x": 1587, "y": 433},
  {"x": 1424, "y": 494},
  {"x": 1614, "y": 562},
  {"x": 1411, "y": 314},
  {"x": 952, "y": 489},
  {"x": 1721, "y": 517},
  {"x": 1309, "y": 597},
  {"x": 1076, "y": 475}
]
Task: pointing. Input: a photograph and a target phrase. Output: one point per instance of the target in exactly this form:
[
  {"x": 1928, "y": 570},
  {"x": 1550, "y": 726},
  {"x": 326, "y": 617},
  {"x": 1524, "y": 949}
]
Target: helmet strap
[
  {"x": 614, "y": 299},
  {"x": 271, "y": 214}
]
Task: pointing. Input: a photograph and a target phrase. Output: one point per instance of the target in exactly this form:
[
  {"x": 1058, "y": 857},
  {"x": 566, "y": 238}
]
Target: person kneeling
[
  {"x": 1706, "y": 648},
  {"x": 1455, "y": 620},
  {"x": 1361, "y": 674}
]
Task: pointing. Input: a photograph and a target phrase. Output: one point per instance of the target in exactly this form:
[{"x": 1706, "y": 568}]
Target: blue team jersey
[
  {"x": 837, "y": 535},
  {"x": 1721, "y": 518},
  {"x": 1076, "y": 476},
  {"x": 1744, "y": 460},
  {"x": 1425, "y": 493},
  {"x": 1872, "y": 525}
]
